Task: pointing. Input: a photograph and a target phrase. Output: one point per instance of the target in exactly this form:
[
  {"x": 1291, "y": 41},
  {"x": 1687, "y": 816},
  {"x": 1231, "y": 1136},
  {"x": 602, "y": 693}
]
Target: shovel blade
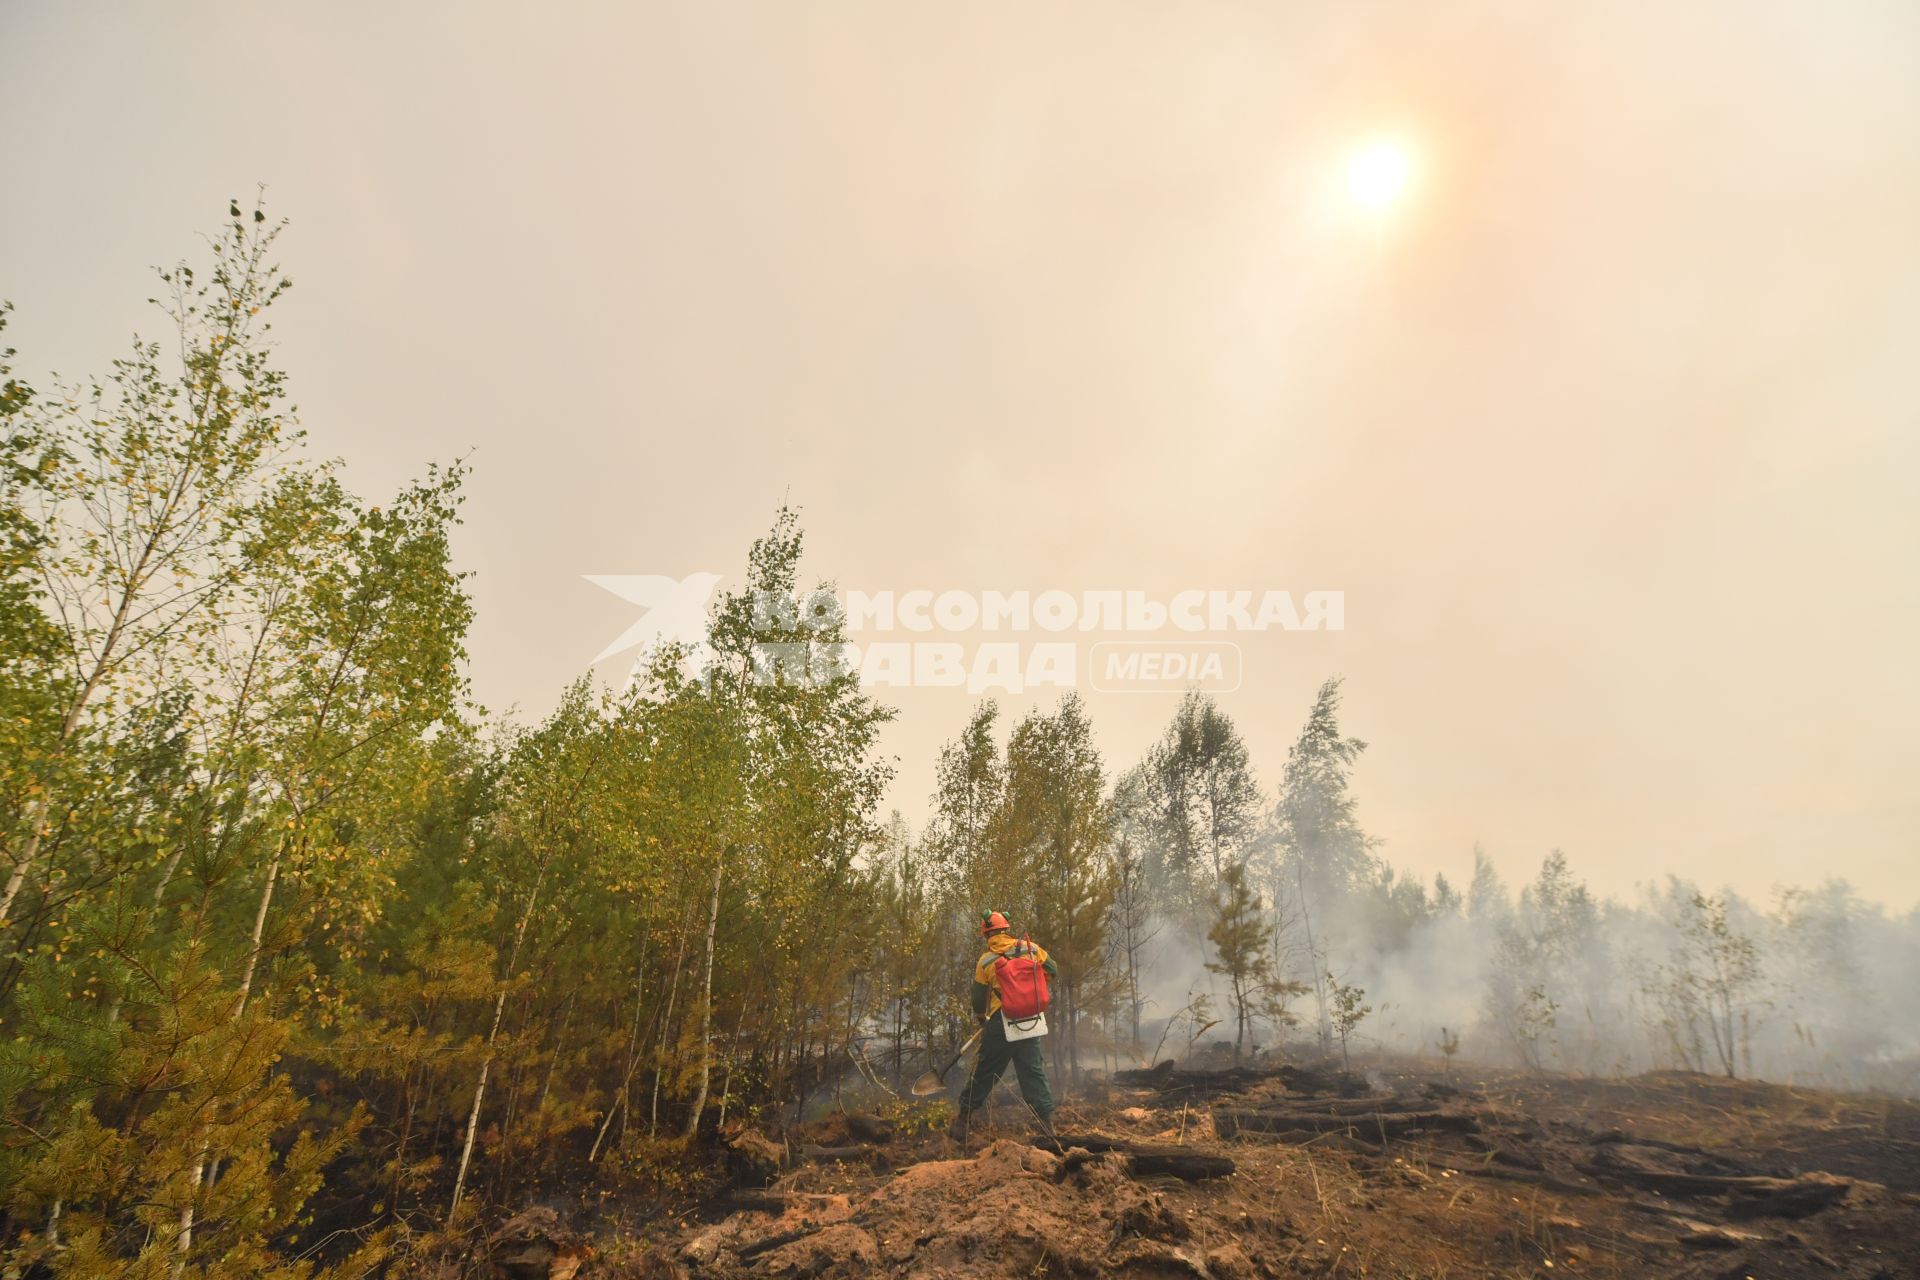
[{"x": 928, "y": 1083}]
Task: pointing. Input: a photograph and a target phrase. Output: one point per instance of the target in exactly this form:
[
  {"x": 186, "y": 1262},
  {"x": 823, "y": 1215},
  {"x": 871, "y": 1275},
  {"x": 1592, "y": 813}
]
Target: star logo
[{"x": 676, "y": 611}]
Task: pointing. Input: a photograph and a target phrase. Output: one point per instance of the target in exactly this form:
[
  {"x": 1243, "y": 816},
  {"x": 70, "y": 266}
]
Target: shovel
[{"x": 935, "y": 1081}]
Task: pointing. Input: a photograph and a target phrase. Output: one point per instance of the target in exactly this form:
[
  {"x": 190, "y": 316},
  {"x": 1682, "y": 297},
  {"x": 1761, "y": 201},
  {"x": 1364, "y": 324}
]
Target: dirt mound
[{"x": 1011, "y": 1210}]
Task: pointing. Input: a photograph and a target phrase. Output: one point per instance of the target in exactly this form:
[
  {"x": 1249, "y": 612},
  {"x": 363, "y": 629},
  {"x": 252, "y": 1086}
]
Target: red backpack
[{"x": 1023, "y": 983}]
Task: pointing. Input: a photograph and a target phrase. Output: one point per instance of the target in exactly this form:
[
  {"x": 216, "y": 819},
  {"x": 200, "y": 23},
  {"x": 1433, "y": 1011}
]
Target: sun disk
[{"x": 1379, "y": 173}]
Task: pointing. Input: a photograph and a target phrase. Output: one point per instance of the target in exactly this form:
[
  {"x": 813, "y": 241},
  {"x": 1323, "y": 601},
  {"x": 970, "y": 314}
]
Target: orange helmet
[{"x": 992, "y": 922}]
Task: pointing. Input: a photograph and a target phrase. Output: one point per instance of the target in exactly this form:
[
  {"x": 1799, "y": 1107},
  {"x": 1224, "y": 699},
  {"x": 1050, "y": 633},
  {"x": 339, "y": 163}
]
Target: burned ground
[{"x": 1397, "y": 1173}]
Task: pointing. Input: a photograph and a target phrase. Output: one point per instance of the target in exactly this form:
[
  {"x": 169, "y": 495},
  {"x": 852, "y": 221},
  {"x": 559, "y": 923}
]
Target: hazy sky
[{"x": 1608, "y": 432}]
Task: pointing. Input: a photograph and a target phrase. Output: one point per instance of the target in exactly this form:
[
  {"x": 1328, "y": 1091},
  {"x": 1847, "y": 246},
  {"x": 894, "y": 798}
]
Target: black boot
[{"x": 958, "y": 1129}]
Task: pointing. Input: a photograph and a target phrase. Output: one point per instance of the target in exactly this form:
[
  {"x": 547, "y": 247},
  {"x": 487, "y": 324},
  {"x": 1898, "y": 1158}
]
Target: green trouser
[{"x": 1028, "y": 1066}]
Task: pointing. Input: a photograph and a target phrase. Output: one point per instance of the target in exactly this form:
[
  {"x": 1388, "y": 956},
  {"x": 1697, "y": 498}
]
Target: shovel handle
[{"x": 961, "y": 1052}]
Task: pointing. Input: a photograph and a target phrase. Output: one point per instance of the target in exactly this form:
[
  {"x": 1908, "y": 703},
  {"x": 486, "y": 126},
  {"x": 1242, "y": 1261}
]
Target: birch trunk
[
  {"x": 633, "y": 1062},
  {"x": 473, "y": 1114},
  {"x": 183, "y": 1237},
  {"x": 706, "y": 1002},
  {"x": 666, "y": 1029},
  {"x": 1313, "y": 956},
  {"x": 493, "y": 1034}
]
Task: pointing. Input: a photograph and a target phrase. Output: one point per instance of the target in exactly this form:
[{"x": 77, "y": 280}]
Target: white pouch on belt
[{"x": 1026, "y": 1028}]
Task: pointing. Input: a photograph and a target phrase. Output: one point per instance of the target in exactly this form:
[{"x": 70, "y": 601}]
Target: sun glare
[{"x": 1379, "y": 174}]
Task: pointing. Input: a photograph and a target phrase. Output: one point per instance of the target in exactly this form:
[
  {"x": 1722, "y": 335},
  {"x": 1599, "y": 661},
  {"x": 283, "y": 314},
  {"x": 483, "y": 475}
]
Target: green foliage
[
  {"x": 1548, "y": 955},
  {"x": 1706, "y": 991},
  {"x": 293, "y": 951},
  {"x": 1319, "y": 835},
  {"x": 1349, "y": 1008},
  {"x": 1242, "y": 935},
  {"x": 1200, "y": 801},
  {"x": 1054, "y": 825},
  {"x": 912, "y": 1119}
]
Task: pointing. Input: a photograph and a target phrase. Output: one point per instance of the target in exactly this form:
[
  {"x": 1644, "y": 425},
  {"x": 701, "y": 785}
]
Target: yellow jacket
[{"x": 986, "y": 983}]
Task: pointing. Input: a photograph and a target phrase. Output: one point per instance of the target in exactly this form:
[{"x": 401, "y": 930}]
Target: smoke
[
  {"x": 1813, "y": 987},
  {"x": 1434, "y": 983}
]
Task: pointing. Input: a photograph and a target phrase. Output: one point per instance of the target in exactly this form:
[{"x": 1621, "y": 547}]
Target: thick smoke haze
[{"x": 1829, "y": 1004}]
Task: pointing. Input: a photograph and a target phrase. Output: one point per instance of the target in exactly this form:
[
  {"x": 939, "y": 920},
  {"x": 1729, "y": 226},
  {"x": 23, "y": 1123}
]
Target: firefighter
[{"x": 996, "y": 1051}]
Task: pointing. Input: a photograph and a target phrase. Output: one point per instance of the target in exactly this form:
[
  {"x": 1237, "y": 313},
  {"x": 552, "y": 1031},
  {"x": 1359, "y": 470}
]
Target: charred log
[
  {"x": 1167, "y": 1078},
  {"x": 1229, "y": 1122},
  {"x": 828, "y": 1155},
  {"x": 868, "y": 1128},
  {"x": 1143, "y": 1160}
]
